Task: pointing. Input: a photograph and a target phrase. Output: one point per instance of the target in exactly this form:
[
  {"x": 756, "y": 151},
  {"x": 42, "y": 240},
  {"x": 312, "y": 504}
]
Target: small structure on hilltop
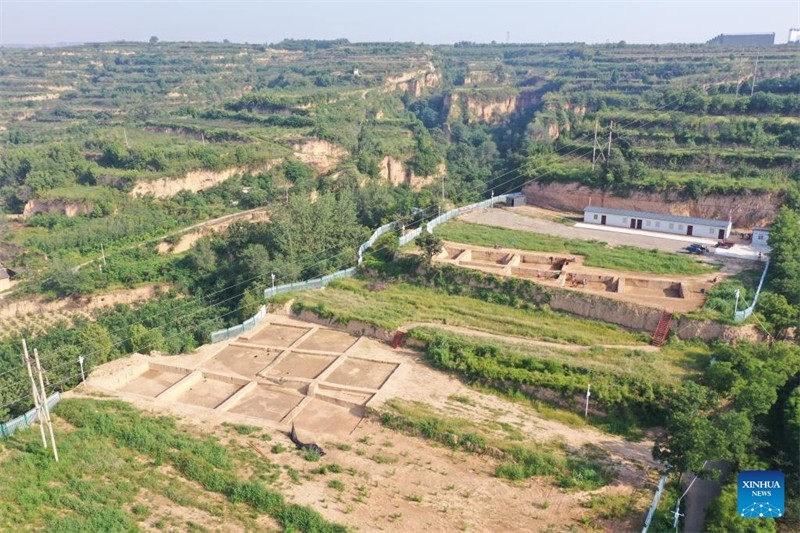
[
  {"x": 794, "y": 36},
  {"x": 664, "y": 223},
  {"x": 744, "y": 39},
  {"x": 760, "y": 239},
  {"x": 515, "y": 200}
]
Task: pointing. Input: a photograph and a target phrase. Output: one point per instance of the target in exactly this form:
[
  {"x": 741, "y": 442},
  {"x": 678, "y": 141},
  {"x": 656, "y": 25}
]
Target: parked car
[{"x": 696, "y": 248}]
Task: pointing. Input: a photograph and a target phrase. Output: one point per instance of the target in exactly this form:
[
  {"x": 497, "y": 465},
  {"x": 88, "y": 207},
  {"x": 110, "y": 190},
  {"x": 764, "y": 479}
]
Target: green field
[
  {"x": 119, "y": 471},
  {"x": 402, "y": 304},
  {"x": 597, "y": 254}
]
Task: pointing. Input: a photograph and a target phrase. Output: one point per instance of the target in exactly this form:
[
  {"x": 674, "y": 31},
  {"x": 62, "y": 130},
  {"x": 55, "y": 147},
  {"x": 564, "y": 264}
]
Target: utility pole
[
  {"x": 44, "y": 404},
  {"x": 273, "y": 282},
  {"x": 597, "y": 150},
  {"x": 588, "y": 393},
  {"x": 755, "y": 73},
  {"x": 80, "y": 362},
  {"x": 34, "y": 391},
  {"x": 610, "y": 131}
]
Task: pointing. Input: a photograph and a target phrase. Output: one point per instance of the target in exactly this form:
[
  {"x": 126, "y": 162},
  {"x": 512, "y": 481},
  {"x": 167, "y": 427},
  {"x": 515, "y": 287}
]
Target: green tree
[
  {"x": 779, "y": 312},
  {"x": 784, "y": 239},
  {"x": 96, "y": 343},
  {"x": 430, "y": 245},
  {"x": 722, "y": 516},
  {"x": 250, "y": 304}
]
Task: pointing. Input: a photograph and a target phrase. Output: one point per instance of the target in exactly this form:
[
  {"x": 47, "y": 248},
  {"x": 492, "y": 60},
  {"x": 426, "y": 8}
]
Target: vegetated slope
[{"x": 120, "y": 471}]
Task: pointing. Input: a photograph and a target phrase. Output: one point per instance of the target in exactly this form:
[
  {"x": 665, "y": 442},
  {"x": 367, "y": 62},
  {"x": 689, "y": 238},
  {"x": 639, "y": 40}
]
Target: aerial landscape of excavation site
[{"x": 328, "y": 267}]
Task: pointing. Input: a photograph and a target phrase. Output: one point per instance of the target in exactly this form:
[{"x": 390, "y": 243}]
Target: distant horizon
[{"x": 438, "y": 22}]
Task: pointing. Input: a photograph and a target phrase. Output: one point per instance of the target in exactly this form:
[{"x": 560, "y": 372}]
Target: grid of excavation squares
[
  {"x": 328, "y": 340},
  {"x": 277, "y": 335},
  {"x": 300, "y": 365},
  {"x": 153, "y": 382},
  {"x": 208, "y": 392},
  {"x": 243, "y": 360},
  {"x": 268, "y": 402},
  {"x": 363, "y": 373},
  {"x": 328, "y": 418}
]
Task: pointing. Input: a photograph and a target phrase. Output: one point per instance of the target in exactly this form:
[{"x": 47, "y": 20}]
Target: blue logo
[{"x": 760, "y": 494}]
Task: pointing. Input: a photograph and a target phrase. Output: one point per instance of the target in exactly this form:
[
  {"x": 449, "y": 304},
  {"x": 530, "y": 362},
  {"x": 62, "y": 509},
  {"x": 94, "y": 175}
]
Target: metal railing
[{"x": 235, "y": 331}]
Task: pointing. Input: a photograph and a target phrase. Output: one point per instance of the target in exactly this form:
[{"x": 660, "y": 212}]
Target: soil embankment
[{"x": 745, "y": 210}]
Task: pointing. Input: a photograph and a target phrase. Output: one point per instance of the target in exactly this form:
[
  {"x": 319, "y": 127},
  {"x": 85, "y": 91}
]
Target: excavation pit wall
[{"x": 676, "y": 295}]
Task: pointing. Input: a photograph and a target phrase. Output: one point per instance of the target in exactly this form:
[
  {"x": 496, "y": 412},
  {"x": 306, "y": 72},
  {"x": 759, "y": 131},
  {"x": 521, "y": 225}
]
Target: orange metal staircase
[
  {"x": 662, "y": 330},
  {"x": 398, "y": 338}
]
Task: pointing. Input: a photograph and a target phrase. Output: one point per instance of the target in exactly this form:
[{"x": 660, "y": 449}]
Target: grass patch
[
  {"x": 111, "y": 455},
  {"x": 570, "y": 470},
  {"x": 403, "y": 303},
  {"x": 596, "y": 253}
]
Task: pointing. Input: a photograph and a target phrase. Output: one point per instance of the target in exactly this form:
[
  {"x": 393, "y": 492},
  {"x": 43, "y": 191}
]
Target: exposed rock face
[
  {"x": 198, "y": 180},
  {"x": 64, "y": 207},
  {"x": 322, "y": 155},
  {"x": 395, "y": 172},
  {"x": 414, "y": 81},
  {"x": 188, "y": 239},
  {"x": 488, "y": 108},
  {"x": 746, "y": 209}
]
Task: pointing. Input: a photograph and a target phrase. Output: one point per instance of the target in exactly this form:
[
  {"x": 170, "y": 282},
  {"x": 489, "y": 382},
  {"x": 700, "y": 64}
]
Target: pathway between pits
[{"x": 512, "y": 339}]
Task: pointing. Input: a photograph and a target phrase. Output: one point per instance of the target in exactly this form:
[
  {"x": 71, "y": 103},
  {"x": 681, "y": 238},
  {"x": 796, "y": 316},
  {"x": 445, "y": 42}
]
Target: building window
[
  {"x": 624, "y": 220},
  {"x": 658, "y": 224},
  {"x": 680, "y": 226},
  {"x": 760, "y": 237},
  {"x": 711, "y": 231},
  {"x": 648, "y": 222},
  {"x": 671, "y": 225},
  {"x": 595, "y": 217}
]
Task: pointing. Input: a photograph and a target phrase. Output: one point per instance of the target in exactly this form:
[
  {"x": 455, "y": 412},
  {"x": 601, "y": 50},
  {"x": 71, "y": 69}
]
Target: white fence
[
  {"x": 25, "y": 420},
  {"x": 739, "y": 316},
  {"x": 234, "y": 331},
  {"x": 656, "y": 498}
]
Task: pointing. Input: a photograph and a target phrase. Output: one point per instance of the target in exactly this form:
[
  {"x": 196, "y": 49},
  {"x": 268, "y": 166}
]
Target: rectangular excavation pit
[
  {"x": 499, "y": 258},
  {"x": 452, "y": 253},
  {"x": 320, "y": 416},
  {"x": 244, "y": 361},
  {"x": 267, "y": 402},
  {"x": 594, "y": 282},
  {"x": 328, "y": 340},
  {"x": 208, "y": 392},
  {"x": 278, "y": 335},
  {"x": 544, "y": 262},
  {"x": 653, "y": 287},
  {"x": 300, "y": 365},
  {"x": 343, "y": 397},
  {"x": 153, "y": 381},
  {"x": 362, "y": 373},
  {"x": 483, "y": 266},
  {"x": 536, "y": 274}
]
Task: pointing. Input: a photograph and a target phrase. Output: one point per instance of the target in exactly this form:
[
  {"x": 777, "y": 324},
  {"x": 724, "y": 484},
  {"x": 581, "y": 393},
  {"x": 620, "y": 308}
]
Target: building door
[
  {"x": 633, "y": 223},
  {"x": 603, "y": 220},
  {"x": 689, "y": 230},
  {"x": 639, "y": 224},
  {"x": 721, "y": 235}
]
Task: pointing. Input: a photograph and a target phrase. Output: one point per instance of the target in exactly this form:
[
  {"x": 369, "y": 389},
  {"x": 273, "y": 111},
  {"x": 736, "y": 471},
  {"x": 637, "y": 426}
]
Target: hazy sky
[{"x": 262, "y": 21}]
